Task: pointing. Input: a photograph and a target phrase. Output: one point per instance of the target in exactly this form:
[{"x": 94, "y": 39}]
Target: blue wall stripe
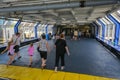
[
  {"x": 95, "y": 28},
  {"x": 94, "y": 23},
  {"x": 117, "y": 27},
  {"x": 16, "y": 26},
  {"x": 35, "y": 29},
  {"x": 47, "y": 32},
  {"x": 103, "y": 29}
]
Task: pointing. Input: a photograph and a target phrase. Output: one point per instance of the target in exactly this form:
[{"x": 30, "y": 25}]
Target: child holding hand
[{"x": 30, "y": 53}]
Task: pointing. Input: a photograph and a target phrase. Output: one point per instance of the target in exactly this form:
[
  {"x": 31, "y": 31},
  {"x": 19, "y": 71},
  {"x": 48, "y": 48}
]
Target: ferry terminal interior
[{"x": 91, "y": 29}]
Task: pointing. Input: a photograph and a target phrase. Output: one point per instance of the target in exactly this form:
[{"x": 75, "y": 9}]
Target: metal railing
[{"x": 110, "y": 43}]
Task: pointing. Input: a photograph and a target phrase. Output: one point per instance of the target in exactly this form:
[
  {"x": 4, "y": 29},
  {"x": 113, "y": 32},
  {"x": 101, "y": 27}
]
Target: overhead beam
[
  {"x": 58, "y": 5},
  {"x": 41, "y": 7},
  {"x": 102, "y": 2}
]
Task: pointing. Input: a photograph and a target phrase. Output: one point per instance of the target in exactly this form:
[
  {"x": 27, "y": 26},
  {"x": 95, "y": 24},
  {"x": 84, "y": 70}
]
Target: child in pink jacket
[
  {"x": 10, "y": 50},
  {"x": 30, "y": 53}
]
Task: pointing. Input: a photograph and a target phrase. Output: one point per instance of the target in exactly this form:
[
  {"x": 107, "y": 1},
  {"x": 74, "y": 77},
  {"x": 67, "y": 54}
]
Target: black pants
[
  {"x": 58, "y": 56},
  {"x": 16, "y": 47},
  {"x": 43, "y": 54}
]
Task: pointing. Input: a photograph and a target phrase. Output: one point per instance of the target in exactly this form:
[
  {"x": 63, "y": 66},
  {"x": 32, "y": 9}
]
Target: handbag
[{"x": 38, "y": 49}]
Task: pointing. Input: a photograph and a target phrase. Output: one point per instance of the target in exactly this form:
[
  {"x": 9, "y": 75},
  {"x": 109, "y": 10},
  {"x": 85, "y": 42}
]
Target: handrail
[
  {"x": 22, "y": 44},
  {"x": 113, "y": 43}
]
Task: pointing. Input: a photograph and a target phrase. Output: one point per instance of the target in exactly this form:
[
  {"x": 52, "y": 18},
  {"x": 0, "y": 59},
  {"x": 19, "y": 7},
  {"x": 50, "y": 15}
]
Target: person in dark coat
[{"x": 61, "y": 48}]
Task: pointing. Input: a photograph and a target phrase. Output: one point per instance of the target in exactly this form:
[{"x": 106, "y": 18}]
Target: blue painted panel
[
  {"x": 103, "y": 29},
  {"x": 96, "y": 28},
  {"x": 46, "y": 29},
  {"x": 117, "y": 27},
  {"x": 35, "y": 29},
  {"x": 16, "y": 26}
]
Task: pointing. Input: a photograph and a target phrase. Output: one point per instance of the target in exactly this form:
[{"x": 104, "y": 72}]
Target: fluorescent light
[{"x": 118, "y": 11}]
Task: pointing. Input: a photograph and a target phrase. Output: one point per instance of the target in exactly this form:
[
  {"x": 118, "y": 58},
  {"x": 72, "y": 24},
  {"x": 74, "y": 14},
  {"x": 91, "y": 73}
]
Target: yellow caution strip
[{"x": 25, "y": 73}]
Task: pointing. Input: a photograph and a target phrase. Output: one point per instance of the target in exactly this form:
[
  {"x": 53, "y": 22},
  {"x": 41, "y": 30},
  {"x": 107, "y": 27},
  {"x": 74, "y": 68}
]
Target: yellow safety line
[{"x": 26, "y": 73}]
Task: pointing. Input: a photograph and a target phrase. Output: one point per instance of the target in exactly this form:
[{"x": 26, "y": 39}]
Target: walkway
[
  {"x": 87, "y": 57},
  {"x": 24, "y": 73}
]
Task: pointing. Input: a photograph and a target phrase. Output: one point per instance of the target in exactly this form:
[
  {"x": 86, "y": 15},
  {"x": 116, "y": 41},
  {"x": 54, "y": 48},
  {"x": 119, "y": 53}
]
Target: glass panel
[
  {"x": 111, "y": 29},
  {"x": 99, "y": 30},
  {"x": 116, "y": 16},
  {"x": 6, "y": 30},
  {"x": 27, "y": 30},
  {"x": 105, "y": 28},
  {"x": 1, "y": 31}
]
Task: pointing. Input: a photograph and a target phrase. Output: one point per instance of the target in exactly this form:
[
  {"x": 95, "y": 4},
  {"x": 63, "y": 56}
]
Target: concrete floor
[{"x": 87, "y": 56}]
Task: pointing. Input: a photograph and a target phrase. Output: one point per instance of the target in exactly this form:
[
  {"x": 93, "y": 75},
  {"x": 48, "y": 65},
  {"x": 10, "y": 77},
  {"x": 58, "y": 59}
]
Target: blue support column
[
  {"x": 46, "y": 29},
  {"x": 103, "y": 29},
  {"x": 16, "y": 26},
  {"x": 35, "y": 29},
  {"x": 117, "y": 27},
  {"x": 96, "y": 28}
]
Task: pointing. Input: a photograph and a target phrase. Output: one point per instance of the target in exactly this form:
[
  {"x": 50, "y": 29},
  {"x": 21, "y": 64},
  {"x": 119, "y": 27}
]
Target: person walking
[
  {"x": 10, "y": 50},
  {"x": 30, "y": 53},
  {"x": 43, "y": 49},
  {"x": 16, "y": 42},
  {"x": 79, "y": 35},
  {"x": 71, "y": 35},
  {"x": 61, "y": 48},
  {"x": 75, "y": 35}
]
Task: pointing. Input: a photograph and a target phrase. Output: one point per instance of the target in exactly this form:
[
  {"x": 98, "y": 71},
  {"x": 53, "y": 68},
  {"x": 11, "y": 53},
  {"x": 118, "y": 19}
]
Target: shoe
[
  {"x": 7, "y": 65},
  {"x": 55, "y": 69},
  {"x": 14, "y": 61},
  {"x": 62, "y": 68},
  {"x": 43, "y": 66},
  {"x": 19, "y": 57},
  {"x": 30, "y": 65}
]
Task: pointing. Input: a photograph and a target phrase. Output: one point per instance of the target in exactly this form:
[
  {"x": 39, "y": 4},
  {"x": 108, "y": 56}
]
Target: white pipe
[{"x": 49, "y": 6}]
